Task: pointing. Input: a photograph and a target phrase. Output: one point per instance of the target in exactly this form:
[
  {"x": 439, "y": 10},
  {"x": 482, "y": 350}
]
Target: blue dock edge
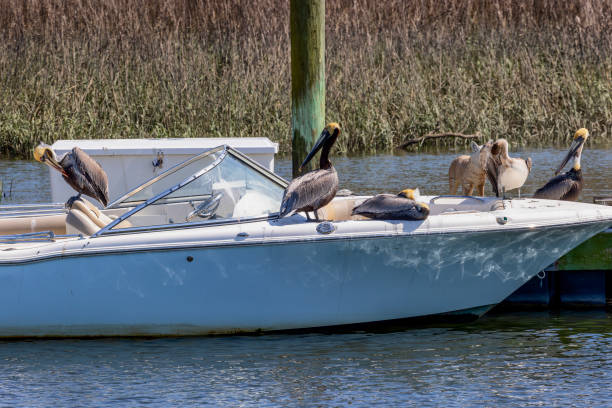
[
  {"x": 563, "y": 289},
  {"x": 580, "y": 279}
]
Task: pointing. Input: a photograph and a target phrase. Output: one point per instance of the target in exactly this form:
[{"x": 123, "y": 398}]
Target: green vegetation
[{"x": 532, "y": 72}]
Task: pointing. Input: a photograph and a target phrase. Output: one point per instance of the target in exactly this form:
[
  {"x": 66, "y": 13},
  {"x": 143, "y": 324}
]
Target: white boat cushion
[
  {"x": 254, "y": 204},
  {"x": 85, "y": 218}
]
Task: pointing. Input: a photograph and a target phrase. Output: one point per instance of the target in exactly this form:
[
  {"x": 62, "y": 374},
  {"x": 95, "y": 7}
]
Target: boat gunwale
[{"x": 82, "y": 252}]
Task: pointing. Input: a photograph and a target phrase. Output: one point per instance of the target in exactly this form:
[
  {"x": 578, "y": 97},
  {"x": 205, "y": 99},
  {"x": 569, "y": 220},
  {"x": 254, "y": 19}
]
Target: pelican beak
[
  {"x": 573, "y": 151},
  {"x": 323, "y": 138},
  {"x": 44, "y": 154}
]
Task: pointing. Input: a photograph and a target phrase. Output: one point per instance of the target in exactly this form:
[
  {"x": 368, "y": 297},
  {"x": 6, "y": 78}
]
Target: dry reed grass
[{"x": 531, "y": 71}]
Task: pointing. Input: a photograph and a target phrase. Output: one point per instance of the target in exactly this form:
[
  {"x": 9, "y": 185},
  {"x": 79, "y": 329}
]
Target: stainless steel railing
[
  {"x": 31, "y": 210},
  {"x": 41, "y": 236}
]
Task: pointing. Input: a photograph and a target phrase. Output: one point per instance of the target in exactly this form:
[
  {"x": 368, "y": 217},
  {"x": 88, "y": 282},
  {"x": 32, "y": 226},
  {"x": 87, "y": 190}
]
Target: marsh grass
[{"x": 530, "y": 71}]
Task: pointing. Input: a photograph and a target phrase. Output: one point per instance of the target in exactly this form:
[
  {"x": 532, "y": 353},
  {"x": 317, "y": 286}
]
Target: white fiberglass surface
[
  {"x": 171, "y": 178},
  {"x": 230, "y": 189}
]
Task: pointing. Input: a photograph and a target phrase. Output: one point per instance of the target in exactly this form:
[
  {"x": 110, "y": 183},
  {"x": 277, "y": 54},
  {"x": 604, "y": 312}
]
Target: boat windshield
[{"x": 221, "y": 184}]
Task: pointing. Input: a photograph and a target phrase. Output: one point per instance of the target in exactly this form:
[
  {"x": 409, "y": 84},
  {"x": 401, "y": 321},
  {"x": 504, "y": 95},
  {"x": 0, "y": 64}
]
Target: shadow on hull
[{"x": 384, "y": 326}]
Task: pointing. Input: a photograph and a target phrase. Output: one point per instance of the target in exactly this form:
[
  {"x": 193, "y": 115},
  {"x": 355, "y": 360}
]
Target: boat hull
[{"x": 270, "y": 286}]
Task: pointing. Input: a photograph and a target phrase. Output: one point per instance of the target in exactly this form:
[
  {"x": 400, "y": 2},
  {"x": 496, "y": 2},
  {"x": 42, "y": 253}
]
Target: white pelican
[
  {"x": 470, "y": 171},
  {"x": 504, "y": 172}
]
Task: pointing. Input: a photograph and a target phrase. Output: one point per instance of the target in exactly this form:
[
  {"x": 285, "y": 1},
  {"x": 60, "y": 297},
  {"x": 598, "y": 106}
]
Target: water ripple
[
  {"x": 429, "y": 171},
  {"x": 366, "y": 174},
  {"x": 532, "y": 359}
]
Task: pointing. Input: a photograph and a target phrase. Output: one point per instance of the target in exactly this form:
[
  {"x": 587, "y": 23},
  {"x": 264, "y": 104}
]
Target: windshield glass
[
  {"x": 229, "y": 189},
  {"x": 166, "y": 180}
]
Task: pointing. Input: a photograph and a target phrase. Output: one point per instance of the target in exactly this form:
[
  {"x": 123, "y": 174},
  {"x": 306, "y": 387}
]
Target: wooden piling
[{"x": 307, "y": 30}]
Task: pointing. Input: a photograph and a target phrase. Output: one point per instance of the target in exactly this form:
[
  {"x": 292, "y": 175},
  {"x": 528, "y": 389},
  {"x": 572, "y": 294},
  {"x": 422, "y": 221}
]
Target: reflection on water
[
  {"x": 516, "y": 360},
  {"x": 24, "y": 182},
  {"x": 367, "y": 174}
]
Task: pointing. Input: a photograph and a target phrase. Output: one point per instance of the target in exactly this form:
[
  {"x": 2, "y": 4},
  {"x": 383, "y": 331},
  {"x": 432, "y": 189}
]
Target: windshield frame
[
  {"x": 139, "y": 205},
  {"x": 117, "y": 202}
]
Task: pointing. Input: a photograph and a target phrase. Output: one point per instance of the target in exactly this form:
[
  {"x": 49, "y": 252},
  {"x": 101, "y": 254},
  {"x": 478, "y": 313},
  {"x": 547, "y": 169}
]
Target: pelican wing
[
  {"x": 309, "y": 192},
  {"x": 391, "y": 207},
  {"x": 492, "y": 170},
  {"x": 561, "y": 187},
  {"x": 89, "y": 175}
]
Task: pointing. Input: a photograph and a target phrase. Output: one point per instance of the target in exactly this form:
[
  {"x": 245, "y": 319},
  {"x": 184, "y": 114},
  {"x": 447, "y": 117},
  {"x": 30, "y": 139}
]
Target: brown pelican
[
  {"x": 316, "y": 188},
  {"x": 504, "y": 172},
  {"x": 79, "y": 170},
  {"x": 567, "y": 186},
  {"x": 393, "y": 207}
]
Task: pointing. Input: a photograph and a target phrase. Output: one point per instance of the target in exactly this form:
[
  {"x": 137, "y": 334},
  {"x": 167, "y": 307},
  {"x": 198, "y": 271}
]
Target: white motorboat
[{"x": 200, "y": 249}]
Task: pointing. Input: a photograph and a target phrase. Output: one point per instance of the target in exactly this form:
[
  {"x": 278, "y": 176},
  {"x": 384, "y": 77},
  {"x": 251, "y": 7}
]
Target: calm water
[
  {"x": 526, "y": 359},
  {"x": 518, "y": 360},
  {"x": 365, "y": 174},
  {"x": 429, "y": 171}
]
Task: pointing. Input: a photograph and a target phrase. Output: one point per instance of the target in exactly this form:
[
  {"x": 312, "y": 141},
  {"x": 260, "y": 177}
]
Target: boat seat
[
  {"x": 37, "y": 223},
  {"x": 85, "y": 218}
]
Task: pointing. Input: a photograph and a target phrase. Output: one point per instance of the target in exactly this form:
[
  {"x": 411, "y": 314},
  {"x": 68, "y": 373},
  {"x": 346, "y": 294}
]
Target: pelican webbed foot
[
  {"x": 71, "y": 200},
  {"x": 309, "y": 219}
]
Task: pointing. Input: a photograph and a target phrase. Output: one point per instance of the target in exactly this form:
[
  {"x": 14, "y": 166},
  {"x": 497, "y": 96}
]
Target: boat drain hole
[{"x": 190, "y": 258}]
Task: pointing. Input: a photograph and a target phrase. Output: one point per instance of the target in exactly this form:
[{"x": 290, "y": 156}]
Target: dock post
[{"x": 307, "y": 31}]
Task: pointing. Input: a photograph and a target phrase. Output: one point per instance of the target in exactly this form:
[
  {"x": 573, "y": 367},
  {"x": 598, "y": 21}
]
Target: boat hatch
[{"x": 219, "y": 185}]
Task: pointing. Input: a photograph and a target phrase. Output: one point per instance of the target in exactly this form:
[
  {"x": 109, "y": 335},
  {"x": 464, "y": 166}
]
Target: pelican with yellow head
[
  {"x": 316, "y": 188},
  {"x": 567, "y": 186},
  {"x": 403, "y": 206},
  {"x": 79, "y": 170}
]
